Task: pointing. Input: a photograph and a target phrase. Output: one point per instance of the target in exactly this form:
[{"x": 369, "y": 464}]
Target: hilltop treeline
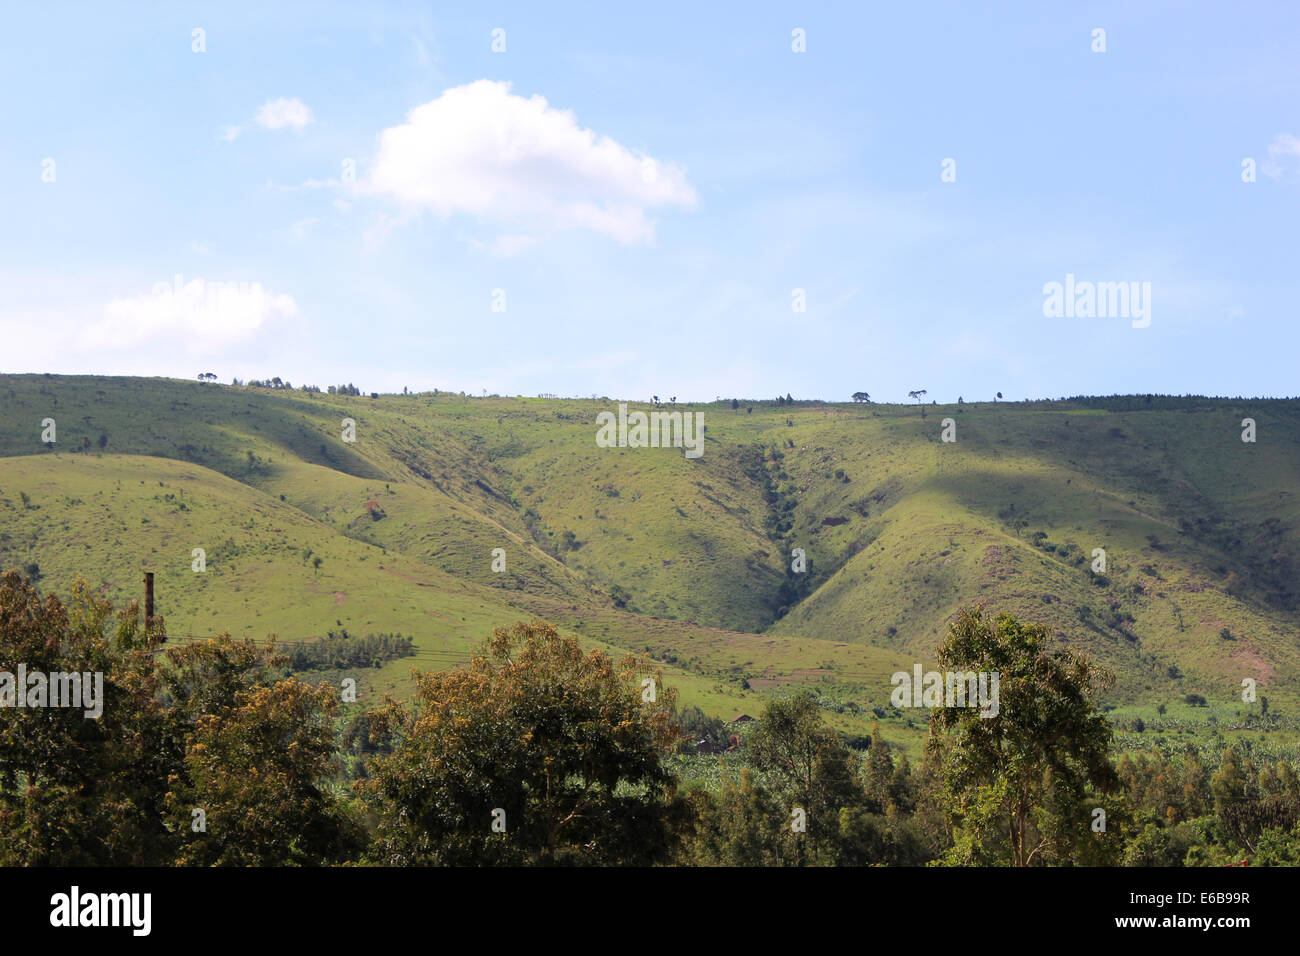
[
  {"x": 540, "y": 752},
  {"x": 278, "y": 384},
  {"x": 1138, "y": 403}
]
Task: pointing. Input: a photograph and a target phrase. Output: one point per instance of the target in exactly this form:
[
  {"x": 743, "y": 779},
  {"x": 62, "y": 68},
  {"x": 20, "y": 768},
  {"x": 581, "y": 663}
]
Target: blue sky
[{"x": 649, "y": 222}]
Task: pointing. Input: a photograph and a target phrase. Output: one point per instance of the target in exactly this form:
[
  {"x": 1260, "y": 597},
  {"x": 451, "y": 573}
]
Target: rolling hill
[{"x": 687, "y": 559}]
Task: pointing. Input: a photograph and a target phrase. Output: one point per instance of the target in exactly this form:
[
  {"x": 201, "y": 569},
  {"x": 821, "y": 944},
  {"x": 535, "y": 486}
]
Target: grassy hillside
[{"x": 687, "y": 559}]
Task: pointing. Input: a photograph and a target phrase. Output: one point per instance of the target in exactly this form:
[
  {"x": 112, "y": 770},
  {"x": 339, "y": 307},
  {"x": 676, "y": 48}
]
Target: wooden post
[{"x": 148, "y": 600}]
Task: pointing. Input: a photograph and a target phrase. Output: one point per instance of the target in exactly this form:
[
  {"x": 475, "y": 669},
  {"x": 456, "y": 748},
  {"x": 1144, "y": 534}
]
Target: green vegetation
[
  {"x": 543, "y": 753},
  {"x": 689, "y": 562},
  {"x": 211, "y": 727},
  {"x": 339, "y": 651},
  {"x": 1028, "y": 775},
  {"x": 537, "y": 752}
]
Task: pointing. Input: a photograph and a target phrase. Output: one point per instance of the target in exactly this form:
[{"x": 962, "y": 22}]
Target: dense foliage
[
  {"x": 543, "y": 753},
  {"x": 340, "y": 650}
]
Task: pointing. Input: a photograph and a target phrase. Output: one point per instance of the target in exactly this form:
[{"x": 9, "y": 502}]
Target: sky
[{"x": 690, "y": 200}]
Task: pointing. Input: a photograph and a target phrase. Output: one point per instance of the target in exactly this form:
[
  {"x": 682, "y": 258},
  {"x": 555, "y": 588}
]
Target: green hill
[{"x": 688, "y": 559}]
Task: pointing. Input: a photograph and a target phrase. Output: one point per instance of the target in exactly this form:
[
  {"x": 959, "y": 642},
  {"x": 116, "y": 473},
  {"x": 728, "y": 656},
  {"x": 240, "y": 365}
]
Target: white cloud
[
  {"x": 274, "y": 114},
  {"x": 1284, "y": 148},
  {"x": 196, "y": 316},
  {"x": 1285, "y": 143},
  {"x": 277, "y": 114},
  {"x": 482, "y": 151}
]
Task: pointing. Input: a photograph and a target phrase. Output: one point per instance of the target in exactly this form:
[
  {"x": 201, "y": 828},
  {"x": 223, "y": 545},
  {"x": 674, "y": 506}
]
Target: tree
[
  {"x": 916, "y": 395},
  {"x": 619, "y": 595},
  {"x": 1194, "y": 785},
  {"x": 695, "y": 726},
  {"x": 998, "y": 396},
  {"x": 741, "y": 826},
  {"x": 810, "y": 762},
  {"x": 78, "y": 790},
  {"x": 555, "y": 743},
  {"x": 215, "y": 726},
  {"x": 258, "y": 759},
  {"x": 878, "y": 772},
  {"x": 1016, "y": 785},
  {"x": 861, "y": 397},
  {"x": 1233, "y": 790}
]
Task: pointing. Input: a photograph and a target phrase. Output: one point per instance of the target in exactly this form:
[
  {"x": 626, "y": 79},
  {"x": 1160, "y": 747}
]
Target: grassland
[{"x": 689, "y": 560}]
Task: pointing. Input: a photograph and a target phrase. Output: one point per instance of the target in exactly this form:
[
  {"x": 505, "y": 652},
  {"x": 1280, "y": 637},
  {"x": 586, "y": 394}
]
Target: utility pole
[{"x": 148, "y": 600}]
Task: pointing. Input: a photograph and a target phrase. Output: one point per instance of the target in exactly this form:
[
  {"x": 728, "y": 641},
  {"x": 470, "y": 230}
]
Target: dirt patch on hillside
[
  {"x": 997, "y": 562},
  {"x": 1249, "y": 660}
]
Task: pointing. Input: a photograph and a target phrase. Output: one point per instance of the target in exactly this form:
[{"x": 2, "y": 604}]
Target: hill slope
[{"x": 689, "y": 558}]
